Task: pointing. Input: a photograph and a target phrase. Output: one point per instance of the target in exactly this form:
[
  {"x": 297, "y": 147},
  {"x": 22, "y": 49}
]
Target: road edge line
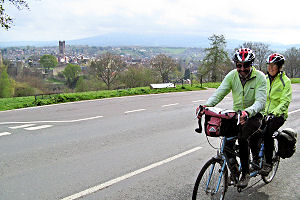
[{"x": 128, "y": 175}]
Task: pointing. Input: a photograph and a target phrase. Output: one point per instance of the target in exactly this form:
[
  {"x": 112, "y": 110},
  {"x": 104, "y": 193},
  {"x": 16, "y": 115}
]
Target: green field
[{"x": 174, "y": 50}]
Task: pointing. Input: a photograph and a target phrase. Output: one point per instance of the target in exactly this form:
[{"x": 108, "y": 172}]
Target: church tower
[{"x": 62, "y": 48}]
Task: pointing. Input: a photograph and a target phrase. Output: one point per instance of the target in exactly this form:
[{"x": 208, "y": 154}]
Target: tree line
[{"x": 110, "y": 71}]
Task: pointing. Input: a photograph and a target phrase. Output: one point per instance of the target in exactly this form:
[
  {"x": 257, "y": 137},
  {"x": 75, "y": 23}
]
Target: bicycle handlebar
[{"x": 238, "y": 117}]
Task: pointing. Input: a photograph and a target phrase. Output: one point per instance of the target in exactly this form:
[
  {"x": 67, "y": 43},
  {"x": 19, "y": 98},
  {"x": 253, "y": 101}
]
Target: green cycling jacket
[
  {"x": 279, "y": 95},
  {"x": 251, "y": 97}
]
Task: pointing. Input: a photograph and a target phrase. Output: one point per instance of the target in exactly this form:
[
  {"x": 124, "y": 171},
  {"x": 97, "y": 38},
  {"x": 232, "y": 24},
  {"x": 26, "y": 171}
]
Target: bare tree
[
  {"x": 292, "y": 64},
  {"x": 107, "y": 68},
  {"x": 261, "y": 51},
  {"x": 164, "y": 65}
]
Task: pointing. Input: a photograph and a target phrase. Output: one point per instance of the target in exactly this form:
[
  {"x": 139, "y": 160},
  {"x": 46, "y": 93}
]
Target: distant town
[{"x": 28, "y": 57}]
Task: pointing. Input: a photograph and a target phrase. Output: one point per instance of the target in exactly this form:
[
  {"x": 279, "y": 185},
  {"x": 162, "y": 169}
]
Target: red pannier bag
[{"x": 218, "y": 122}]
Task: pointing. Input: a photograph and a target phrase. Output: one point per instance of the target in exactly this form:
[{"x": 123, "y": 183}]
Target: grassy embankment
[
  {"x": 23, "y": 102},
  {"x": 295, "y": 80}
]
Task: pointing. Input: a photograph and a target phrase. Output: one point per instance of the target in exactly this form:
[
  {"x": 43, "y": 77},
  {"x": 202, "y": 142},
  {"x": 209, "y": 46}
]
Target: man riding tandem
[{"x": 248, "y": 87}]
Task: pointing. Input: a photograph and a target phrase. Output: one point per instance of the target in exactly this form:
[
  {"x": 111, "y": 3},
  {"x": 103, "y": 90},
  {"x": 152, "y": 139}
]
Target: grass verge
[
  {"x": 31, "y": 101},
  {"x": 295, "y": 80},
  {"x": 23, "y": 102}
]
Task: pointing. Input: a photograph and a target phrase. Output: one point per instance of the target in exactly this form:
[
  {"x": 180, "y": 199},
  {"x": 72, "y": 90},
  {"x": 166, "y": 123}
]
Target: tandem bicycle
[{"x": 213, "y": 179}]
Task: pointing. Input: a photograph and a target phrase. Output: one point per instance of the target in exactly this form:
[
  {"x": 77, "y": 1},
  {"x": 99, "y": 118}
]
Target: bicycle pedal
[
  {"x": 230, "y": 183},
  {"x": 208, "y": 190},
  {"x": 255, "y": 174}
]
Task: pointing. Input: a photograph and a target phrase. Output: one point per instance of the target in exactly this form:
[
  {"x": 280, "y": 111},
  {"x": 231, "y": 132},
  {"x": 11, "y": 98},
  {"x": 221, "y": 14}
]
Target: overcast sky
[{"x": 249, "y": 20}]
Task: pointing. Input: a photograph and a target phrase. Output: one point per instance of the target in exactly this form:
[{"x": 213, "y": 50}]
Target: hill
[{"x": 149, "y": 40}]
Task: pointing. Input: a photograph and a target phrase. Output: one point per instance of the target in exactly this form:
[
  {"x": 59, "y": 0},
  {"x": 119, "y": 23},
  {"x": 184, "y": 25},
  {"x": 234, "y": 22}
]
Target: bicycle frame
[
  {"x": 223, "y": 156},
  {"x": 220, "y": 177},
  {"x": 260, "y": 156}
]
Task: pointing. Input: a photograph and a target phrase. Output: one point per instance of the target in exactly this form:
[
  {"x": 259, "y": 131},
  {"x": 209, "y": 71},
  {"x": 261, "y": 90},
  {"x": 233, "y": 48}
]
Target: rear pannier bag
[
  {"x": 287, "y": 139},
  {"x": 218, "y": 122}
]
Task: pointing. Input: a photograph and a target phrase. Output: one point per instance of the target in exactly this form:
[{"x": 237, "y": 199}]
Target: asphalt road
[{"x": 140, "y": 147}]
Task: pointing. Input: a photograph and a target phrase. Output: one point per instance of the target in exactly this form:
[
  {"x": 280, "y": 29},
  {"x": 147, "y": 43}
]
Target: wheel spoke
[{"x": 211, "y": 182}]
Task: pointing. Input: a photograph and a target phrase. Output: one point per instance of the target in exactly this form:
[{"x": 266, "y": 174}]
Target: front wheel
[
  {"x": 211, "y": 182},
  {"x": 275, "y": 162}
]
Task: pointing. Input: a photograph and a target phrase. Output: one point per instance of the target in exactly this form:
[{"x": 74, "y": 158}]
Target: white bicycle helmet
[
  {"x": 244, "y": 55},
  {"x": 275, "y": 58}
]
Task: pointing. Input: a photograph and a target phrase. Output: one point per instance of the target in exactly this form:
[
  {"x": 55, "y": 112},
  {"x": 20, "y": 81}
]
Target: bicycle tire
[
  {"x": 275, "y": 162},
  {"x": 201, "y": 191}
]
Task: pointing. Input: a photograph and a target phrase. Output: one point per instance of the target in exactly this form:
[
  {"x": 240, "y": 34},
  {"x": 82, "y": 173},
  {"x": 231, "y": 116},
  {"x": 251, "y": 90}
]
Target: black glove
[{"x": 199, "y": 113}]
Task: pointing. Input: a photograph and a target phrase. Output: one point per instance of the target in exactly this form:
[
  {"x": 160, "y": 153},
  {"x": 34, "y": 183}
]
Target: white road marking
[
  {"x": 174, "y": 104},
  {"x": 126, "y": 176},
  {"x": 66, "y": 121},
  {"x": 294, "y": 111},
  {"x": 5, "y": 133},
  {"x": 92, "y": 100},
  {"x": 198, "y": 101},
  {"x": 37, "y": 127},
  {"x": 22, "y": 126},
  {"x": 131, "y": 111}
]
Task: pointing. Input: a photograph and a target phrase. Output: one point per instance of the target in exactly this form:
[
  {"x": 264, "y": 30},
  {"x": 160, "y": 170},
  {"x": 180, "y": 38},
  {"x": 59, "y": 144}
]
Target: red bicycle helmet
[
  {"x": 275, "y": 58},
  {"x": 244, "y": 55}
]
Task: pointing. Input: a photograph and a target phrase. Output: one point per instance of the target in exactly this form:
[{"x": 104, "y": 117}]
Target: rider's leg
[
  {"x": 255, "y": 140},
  {"x": 251, "y": 125},
  {"x": 231, "y": 157},
  {"x": 231, "y": 129},
  {"x": 254, "y": 144},
  {"x": 232, "y": 162},
  {"x": 274, "y": 125},
  {"x": 244, "y": 157}
]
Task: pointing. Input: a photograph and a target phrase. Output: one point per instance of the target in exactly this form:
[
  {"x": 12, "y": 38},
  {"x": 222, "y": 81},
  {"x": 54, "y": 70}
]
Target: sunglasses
[{"x": 245, "y": 65}]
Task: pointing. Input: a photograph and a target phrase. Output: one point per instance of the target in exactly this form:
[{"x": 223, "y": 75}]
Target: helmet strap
[{"x": 272, "y": 77}]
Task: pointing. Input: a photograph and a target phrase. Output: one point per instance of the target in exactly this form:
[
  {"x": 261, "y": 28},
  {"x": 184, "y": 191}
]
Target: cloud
[{"x": 72, "y": 19}]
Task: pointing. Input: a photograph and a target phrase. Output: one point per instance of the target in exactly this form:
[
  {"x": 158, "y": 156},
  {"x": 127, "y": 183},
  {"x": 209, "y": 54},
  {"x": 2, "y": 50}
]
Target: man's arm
[{"x": 222, "y": 91}]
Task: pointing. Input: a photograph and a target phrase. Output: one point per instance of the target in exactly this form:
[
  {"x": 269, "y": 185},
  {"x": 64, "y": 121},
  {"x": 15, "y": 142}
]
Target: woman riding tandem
[{"x": 279, "y": 96}]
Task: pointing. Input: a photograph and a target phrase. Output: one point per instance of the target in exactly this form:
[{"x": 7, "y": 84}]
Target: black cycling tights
[
  {"x": 251, "y": 125},
  {"x": 273, "y": 125}
]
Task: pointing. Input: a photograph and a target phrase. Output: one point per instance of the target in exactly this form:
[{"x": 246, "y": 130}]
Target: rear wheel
[
  {"x": 206, "y": 186},
  {"x": 275, "y": 162}
]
